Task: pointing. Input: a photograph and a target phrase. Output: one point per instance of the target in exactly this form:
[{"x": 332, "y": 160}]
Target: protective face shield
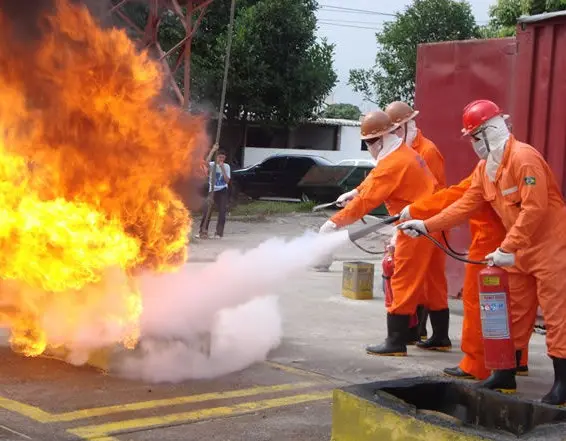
[
  {"x": 374, "y": 146},
  {"x": 479, "y": 145},
  {"x": 489, "y": 143},
  {"x": 491, "y": 138},
  {"x": 410, "y": 132},
  {"x": 383, "y": 146}
]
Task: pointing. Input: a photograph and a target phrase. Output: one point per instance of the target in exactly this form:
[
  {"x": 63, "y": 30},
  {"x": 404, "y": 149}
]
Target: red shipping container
[
  {"x": 539, "y": 111},
  {"x": 449, "y": 76}
]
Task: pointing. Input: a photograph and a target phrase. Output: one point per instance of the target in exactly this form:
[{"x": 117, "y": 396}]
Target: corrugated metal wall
[
  {"x": 539, "y": 112},
  {"x": 526, "y": 76},
  {"x": 449, "y": 76}
]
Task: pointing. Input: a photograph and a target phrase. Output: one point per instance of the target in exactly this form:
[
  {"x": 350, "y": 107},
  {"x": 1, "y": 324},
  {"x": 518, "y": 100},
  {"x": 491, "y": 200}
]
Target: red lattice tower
[{"x": 149, "y": 35}]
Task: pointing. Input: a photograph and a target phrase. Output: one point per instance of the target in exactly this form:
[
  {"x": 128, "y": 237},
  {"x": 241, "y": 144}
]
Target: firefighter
[
  {"x": 487, "y": 233},
  {"x": 400, "y": 177},
  {"x": 404, "y": 115},
  {"x": 520, "y": 186}
]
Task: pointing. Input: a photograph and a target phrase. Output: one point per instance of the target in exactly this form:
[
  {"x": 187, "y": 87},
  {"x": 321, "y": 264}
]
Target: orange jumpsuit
[
  {"x": 432, "y": 156},
  {"x": 528, "y": 200},
  {"x": 399, "y": 179},
  {"x": 435, "y": 281},
  {"x": 487, "y": 233}
]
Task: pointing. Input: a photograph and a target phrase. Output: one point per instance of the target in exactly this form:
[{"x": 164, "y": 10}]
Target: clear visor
[{"x": 479, "y": 134}]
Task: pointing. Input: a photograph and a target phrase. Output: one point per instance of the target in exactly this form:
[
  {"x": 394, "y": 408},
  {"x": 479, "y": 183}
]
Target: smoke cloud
[{"x": 233, "y": 299}]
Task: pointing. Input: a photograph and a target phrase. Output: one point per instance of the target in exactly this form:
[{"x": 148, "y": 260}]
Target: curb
[{"x": 433, "y": 408}]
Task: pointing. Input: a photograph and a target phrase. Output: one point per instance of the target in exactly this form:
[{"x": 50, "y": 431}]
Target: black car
[{"x": 277, "y": 176}]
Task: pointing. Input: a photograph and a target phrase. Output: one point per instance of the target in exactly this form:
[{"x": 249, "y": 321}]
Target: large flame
[{"x": 88, "y": 157}]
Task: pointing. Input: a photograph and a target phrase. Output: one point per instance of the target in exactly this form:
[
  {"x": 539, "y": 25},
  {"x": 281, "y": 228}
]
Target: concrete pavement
[{"x": 285, "y": 397}]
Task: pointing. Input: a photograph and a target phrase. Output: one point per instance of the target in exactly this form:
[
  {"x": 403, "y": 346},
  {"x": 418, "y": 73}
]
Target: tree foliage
[
  {"x": 278, "y": 69},
  {"x": 424, "y": 21},
  {"x": 504, "y": 14},
  {"x": 342, "y": 111}
]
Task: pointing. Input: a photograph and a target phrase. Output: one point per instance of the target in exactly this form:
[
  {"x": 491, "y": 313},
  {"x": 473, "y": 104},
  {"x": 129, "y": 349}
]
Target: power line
[
  {"x": 330, "y": 8},
  {"x": 352, "y": 21},
  {"x": 346, "y": 26}
]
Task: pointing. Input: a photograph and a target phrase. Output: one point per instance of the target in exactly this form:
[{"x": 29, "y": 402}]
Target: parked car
[
  {"x": 357, "y": 163},
  {"x": 324, "y": 184},
  {"x": 276, "y": 177}
]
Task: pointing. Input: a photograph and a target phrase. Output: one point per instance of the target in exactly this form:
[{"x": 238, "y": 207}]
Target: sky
[{"x": 353, "y": 34}]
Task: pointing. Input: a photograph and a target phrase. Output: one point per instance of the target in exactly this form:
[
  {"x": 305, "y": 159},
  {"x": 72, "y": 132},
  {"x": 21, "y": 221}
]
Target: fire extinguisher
[
  {"x": 496, "y": 319},
  {"x": 388, "y": 268}
]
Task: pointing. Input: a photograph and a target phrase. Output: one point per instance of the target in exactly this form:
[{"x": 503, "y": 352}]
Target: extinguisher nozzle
[{"x": 362, "y": 232}]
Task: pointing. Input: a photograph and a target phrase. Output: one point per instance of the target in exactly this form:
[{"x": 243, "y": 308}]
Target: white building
[{"x": 333, "y": 139}]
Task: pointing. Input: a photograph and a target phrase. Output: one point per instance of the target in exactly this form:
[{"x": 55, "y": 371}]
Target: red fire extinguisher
[
  {"x": 388, "y": 268},
  {"x": 496, "y": 319}
]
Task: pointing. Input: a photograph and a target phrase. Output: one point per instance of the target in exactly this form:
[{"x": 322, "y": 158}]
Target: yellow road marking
[
  {"x": 96, "y": 432},
  {"x": 100, "y": 411},
  {"x": 37, "y": 414}
]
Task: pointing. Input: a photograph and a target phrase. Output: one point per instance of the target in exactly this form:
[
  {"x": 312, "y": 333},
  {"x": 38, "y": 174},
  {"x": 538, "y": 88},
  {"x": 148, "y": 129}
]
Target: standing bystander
[{"x": 217, "y": 196}]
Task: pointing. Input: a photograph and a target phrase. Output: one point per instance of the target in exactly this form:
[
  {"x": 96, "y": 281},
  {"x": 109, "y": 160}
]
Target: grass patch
[{"x": 271, "y": 208}]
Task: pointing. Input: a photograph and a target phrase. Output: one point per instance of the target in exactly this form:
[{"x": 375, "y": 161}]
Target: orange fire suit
[
  {"x": 432, "y": 156},
  {"x": 487, "y": 233},
  {"x": 399, "y": 179},
  {"x": 528, "y": 200},
  {"x": 435, "y": 282}
]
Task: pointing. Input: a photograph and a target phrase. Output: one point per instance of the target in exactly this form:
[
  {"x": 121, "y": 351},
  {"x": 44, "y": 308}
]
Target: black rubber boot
[
  {"x": 422, "y": 314},
  {"x": 503, "y": 381},
  {"x": 395, "y": 344},
  {"x": 557, "y": 395},
  {"x": 413, "y": 336},
  {"x": 456, "y": 372},
  {"x": 523, "y": 371},
  {"x": 440, "y": 321}
]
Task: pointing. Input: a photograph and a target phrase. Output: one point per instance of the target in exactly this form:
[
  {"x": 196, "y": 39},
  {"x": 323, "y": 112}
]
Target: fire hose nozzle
[{"x": 362, "y": 232}]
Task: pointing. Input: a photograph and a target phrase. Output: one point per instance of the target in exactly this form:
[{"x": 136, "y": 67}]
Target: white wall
[
  {"x": 351, "y": 143},
  {"x": 349, "y": 148}
]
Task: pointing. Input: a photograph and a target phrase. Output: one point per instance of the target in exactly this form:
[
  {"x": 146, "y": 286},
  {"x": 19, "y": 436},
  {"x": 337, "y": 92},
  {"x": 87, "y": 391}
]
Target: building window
[
  {"x": 266, "y": 137},
  {"x": 314, "y": 137}
]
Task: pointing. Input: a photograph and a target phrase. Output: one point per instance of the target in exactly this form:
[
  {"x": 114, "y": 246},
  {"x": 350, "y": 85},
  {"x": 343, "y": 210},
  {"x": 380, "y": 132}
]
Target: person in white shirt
[{"x": 218, "y": 196}]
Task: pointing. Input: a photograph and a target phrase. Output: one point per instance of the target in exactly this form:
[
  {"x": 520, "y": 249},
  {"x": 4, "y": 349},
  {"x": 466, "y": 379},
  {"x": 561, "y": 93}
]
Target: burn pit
[{"x": 457, "y": 404}]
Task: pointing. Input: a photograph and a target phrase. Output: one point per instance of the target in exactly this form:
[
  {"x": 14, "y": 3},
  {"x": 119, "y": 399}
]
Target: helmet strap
[{"x": 484, "y": 136}]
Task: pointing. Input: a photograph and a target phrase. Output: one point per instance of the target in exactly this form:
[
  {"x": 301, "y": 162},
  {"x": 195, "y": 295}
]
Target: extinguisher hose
[
  {"x": 451, "y": 253},
  {"x": 447, "y": 249},
  {"x": 450, "y": 248}
]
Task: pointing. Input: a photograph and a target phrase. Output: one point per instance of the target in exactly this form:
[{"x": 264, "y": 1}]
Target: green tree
[
  {"x": 342, "y": 111},
  {"x": 503, "y": 14},
  {"x": 279, "y": 71},
  {"x": 424, "y": 21}
]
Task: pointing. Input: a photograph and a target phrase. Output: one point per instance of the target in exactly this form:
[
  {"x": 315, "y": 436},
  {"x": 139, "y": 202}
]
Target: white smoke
[
  {"x": 240, "y": 337},
  {"x": 233, "y": 299}
]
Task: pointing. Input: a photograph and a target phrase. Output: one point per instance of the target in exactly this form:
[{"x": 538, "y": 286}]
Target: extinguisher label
[
  {"x": 494, "y": 316},
  {"x": 491, "y": 280}
]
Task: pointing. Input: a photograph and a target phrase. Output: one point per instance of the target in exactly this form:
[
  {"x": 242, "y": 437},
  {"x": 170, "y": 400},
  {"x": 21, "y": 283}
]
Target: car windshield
[{"x": 323, "y": 161}]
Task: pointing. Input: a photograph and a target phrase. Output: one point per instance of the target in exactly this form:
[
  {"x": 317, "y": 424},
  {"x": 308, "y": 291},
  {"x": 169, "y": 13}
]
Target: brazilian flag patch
[{"x": 530, "y": 180}]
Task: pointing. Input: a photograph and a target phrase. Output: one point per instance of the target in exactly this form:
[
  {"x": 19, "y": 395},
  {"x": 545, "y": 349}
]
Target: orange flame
[{"x": 87, "y": 162}]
